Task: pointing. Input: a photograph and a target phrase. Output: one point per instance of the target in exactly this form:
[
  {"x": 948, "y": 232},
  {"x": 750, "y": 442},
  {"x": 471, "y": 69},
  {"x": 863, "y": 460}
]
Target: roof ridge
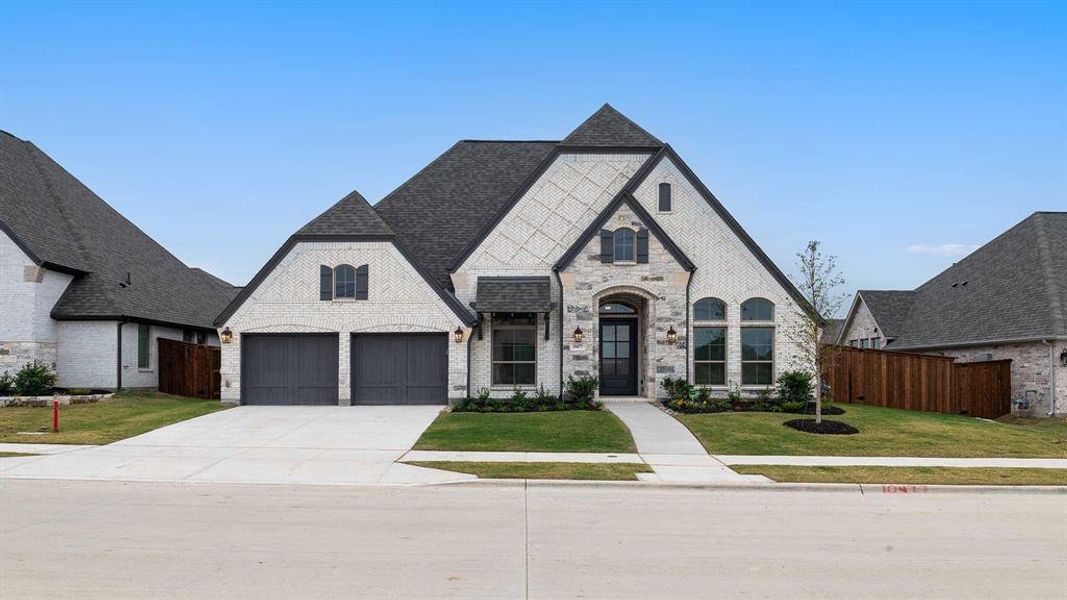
[
  {"x": 504, "y": 141},
  {"x": 1054, "y": 300},
  {"x": 630, "y": 121}
]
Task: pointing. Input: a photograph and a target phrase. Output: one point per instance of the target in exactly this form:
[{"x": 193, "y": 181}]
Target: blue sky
[{"x": 899, "y": 134}]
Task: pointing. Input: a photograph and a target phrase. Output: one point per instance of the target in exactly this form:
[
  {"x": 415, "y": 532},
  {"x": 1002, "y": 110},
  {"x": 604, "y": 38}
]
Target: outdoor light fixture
[
  {"x": 578, "y": 335},
  {"x": 672, "y": 335},
  {"x": 226, "y": 336},
  {"x": 458, "y": 335}
]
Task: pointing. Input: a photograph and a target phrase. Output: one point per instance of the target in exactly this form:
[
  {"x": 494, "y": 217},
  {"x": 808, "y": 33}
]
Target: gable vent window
[
  {"x": 624, "y": 245},
  {"x": 665, "y": 197},
  {"x": 343, "y": 281}
]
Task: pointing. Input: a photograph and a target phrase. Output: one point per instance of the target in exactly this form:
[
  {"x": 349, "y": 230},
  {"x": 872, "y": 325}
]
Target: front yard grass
[
  {"x": 512, "y": 470},
  {"x": 908, "y": 475},
  {"x": 883, "y": 432},
  {"x": 565, "y": 431},
  {"x": 103, "y": 422}
]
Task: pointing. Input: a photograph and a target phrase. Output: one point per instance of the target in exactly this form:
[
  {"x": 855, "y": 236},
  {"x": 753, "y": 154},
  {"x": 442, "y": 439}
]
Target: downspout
[
  {"x": 688, "y": 282},
  {"x": 1051, "y": 377},
  {"x": 118, "y": 357},
  {"x": 559, "y": 282},
  {"x": 470, "y": 336}
]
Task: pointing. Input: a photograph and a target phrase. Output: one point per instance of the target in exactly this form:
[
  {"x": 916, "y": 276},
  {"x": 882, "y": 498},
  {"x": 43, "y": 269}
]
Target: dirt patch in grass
[
  {"x": 569, "y": 431},
  {"x": 825, "y": 427},
  {"x": 511, "y": 470},
  {"x": 908, "y": 475}
]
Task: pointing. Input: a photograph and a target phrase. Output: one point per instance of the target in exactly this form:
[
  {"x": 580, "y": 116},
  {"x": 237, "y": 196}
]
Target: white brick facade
[
  {"x": 287, "y": 301},
  {"x": 27, "y": 295},
  {"x": 863, "y": 327}
]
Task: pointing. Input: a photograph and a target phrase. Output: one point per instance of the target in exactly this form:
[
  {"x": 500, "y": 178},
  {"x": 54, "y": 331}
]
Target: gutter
[
  {"x": 1051, "y": 377},
  {"x": 559, "y": 282},
  {"x": 1048, "y": 338}
]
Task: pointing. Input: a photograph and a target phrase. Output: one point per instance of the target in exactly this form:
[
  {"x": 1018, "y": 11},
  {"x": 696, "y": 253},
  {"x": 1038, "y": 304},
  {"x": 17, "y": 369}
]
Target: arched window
[
  {"x": 757, "y": 309},
  {"x": 709, "y": 309},
  {"x": 665, "y": 197},
  {"x": 616, "y": 308},
  {"x": 344, "y": 281},
  {"x": 624, "y": 245}
]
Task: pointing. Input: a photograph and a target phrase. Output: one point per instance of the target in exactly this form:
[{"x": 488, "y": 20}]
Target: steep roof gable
[
  {"x": 889, "y": 308},
  {"x": 609, "y": 127},
  {"x": 352, "y": 215},
  {"x": 120, "y": 271}
]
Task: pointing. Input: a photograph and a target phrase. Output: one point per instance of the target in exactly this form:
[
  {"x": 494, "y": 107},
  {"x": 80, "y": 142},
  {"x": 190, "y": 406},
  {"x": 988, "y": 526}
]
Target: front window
[
  {"x": 144, "y": 343},
  {"x": 344, "y": 282},
  {"x": 709, "y": 309},
  {"x": 757, "y": 309},
  {"x": 757, "y": 356},
  {"x": 624, "y": 245},
  {"x": 515, "y": 350},
  {"x": 710, "y": 357}
]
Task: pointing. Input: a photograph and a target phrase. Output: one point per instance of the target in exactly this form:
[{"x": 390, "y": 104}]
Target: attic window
[
  {"x": 343, "y": 281},
  {"x": 665, "y": 197},
  {"x": 624, "y": 245}
]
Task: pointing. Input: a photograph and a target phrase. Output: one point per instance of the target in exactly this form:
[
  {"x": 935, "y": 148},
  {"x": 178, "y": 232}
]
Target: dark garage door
[
  {"x": 289, "y": 369},
  {"x": 400, "y": 368}
]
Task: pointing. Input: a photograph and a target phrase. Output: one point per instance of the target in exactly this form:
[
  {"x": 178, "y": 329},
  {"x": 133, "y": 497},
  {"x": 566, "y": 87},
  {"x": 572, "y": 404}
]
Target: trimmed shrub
[
  {"x": 795, "y": 386},
  {"x": 34, "y": 379},
  {"x": 7, "y": 384},
  {"x": 581, "y": 392}
]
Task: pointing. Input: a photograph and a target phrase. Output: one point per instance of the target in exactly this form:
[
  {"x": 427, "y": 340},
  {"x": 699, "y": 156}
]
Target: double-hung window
[
  {"x": 757, "y": 342},
  {"x": 514, "y": 350}
]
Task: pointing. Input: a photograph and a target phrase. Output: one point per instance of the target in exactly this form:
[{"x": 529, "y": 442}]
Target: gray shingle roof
[
  {"x": 351, "y": 216},
  {"x": 609, "y": 127},
  {"x": 1013, "y": 288},
  {"x": 514, "y": 294},
  {"x": 890, "y": 309},
  {"x": 831, "y": 329},
  {"x": 65, "y": 226},
  {"x": 441, "y": 209}
]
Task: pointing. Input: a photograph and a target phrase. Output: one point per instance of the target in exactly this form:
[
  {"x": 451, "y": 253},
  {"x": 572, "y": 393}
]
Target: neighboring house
[
  {"x": 510, "y": 265},
  {"x": 831, "y": 330},
  {"x": 1006, "y": 300},
  {"x": 80, "y": 285}
]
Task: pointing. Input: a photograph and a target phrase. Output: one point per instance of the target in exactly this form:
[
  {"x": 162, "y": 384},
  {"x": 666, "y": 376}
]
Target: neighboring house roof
[
  {"x": 62, "y": 225},
  {"x": 1013, "y": 288},
  {"x": 889, "y": 308},
  {"x": 831, "y": 331},
  {"x": 514, "y": 294}
]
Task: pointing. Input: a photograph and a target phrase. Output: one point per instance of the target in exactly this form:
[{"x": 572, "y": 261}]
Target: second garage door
[
  {"x": 289, "y": 369},
  {"x": 400, "y": 368}
]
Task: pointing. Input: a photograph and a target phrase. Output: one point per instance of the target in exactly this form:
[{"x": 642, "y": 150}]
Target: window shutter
[
  {"x": 362, "y": 282},
  {"x": 607, "y": 246},
  {"x": 325, "y": 283},
  {"x": 642, "y": 245}
]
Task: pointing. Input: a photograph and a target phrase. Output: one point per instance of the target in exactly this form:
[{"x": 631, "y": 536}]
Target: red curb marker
[{"x": 55, "y": 415}]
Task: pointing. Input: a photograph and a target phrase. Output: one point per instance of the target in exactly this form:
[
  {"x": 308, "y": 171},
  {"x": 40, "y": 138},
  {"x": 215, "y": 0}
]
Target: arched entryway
[{"x": 620, "y": 344}]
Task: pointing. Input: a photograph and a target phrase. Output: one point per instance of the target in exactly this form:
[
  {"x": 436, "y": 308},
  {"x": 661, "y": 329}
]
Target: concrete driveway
[{"x": 258, "y": 444}]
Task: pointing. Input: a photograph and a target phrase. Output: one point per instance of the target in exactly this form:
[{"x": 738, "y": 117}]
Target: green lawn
[
  {"x": 511, "y": 470},
  {"x": 123, "y": 416},
  {"x": 908, "y": 475},
  {"x": 564, "y": 431},
  {"x": 883, "y": 432}
]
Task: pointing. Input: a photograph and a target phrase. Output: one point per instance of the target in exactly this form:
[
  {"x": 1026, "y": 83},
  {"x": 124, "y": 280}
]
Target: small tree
[{"x": 819, "y": 281}]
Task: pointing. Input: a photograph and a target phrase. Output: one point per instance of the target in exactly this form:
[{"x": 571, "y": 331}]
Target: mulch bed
[
  {"x": 826, "y": 427},
  {"x": 826, "y": 410}
]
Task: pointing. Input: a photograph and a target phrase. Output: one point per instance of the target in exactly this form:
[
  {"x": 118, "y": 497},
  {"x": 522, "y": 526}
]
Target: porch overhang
[{"x": 529, "y": 294}]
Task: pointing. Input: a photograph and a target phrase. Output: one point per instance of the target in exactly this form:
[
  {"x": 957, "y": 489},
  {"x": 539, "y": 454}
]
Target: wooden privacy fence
[
  {"x": 920, "y": 382},
  {"x": 189, "y": 369}
]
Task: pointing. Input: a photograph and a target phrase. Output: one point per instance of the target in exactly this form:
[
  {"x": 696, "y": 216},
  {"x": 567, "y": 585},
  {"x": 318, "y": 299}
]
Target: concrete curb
[{"x": 862, "y": 488}]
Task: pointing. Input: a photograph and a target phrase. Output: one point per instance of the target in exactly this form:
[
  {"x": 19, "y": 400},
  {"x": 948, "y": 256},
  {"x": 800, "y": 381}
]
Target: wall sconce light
[
  {"x": 1063, "y": 358},
  {"x": 672, "y": 335},
  {"x": 226, "y": 336},
  {"x": 458, "y": 335},
  {"x": 578, "y": 335}
]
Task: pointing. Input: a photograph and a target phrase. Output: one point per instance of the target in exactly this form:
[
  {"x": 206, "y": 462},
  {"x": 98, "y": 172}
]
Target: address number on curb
[{"x": 904, "y": 489}]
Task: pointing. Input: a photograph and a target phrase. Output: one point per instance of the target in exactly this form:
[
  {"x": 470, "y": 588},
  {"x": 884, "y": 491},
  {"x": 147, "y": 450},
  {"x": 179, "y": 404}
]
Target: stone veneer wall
[
  {"x": 1029, "y": 369},
  {"x": 661, "y": 283},
  {"x": 287, "y": 301}
]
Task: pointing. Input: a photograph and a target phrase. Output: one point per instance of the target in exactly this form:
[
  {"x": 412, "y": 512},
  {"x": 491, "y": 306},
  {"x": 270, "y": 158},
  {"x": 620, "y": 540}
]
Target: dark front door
[
  {"x": 618, "y": 357},
  {"x": 397, "y": 368},
  {"x": 286, "y": 368}
]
